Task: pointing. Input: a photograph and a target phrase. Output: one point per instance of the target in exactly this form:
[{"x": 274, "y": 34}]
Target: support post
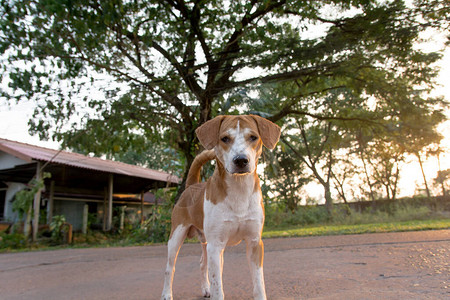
[
  {"x": 85, "y": 219},
  {"x": 110, "y": 202},
  {"x": 142, "y": 207},
  {"x": 50, "y": 202},
  {"x": 26, "y": 224},
  {"x": 122, "y": 217},
  {"x": 37, "y": 204},
  {"x": 105, "y": 198}
]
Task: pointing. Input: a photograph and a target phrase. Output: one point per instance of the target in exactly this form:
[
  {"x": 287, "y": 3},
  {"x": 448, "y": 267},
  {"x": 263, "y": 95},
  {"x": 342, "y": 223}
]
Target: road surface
[{"x": 411, "y": 265}]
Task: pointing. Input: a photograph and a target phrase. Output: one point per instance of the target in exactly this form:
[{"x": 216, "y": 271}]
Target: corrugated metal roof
[{"x": 30, "y": 152}]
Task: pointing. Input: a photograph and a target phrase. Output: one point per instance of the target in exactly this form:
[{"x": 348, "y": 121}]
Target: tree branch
[
  {"x": 285, "y": 141},
  {"x": 232, "y": 46},
  {"x": 322, "y": 117}
]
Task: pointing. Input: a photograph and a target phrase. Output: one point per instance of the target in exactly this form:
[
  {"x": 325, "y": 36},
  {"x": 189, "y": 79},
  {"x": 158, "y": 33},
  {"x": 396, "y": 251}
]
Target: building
[{"x": 78, "y": 184}]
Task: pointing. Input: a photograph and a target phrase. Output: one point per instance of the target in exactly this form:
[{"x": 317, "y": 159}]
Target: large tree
[{"x": 166, "y": 67}]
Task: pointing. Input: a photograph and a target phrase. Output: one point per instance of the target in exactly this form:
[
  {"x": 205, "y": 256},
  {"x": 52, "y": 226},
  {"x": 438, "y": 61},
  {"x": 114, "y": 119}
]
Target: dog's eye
[
  {"x": 225, "y": 139},
  {"x": 253, "y": 138}
]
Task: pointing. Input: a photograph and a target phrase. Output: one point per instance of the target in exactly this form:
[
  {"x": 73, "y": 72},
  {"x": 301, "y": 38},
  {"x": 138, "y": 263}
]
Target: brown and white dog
[{"x": 227, "y": 208}]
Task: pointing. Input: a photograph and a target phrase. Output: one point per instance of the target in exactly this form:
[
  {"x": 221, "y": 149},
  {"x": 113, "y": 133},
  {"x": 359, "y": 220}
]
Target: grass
[{"x": 323, "y": 230}]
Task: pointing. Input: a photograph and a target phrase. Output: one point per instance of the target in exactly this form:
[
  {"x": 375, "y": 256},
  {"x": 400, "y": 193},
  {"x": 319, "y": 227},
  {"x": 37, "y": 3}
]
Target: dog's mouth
[
  {"x": 239, "y": 171},
  {"x": 240, "y": 165}
]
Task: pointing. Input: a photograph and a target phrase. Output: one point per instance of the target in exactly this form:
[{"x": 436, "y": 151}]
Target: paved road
[{"x": 413, "y": 265}]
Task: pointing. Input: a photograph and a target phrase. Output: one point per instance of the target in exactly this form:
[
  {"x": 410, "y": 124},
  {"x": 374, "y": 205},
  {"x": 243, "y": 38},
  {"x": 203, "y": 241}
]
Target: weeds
[
  {"x": 305, "y": 215},
  {"x": 56, "y": 228},
  {"x": 154, "y": 230},
  {"x": 278, "y": 217},
  {"x": 13, "y": 241}
]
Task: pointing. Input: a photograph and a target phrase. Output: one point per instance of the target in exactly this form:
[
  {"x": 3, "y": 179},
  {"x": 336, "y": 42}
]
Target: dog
[{"x": 228, "y": 207}]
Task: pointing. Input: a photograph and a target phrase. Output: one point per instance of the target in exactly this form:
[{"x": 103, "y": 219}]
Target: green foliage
[
  {"x": 303, "y": 215},
  {"x": 443, "y": 181},
  {"x": 180, "y": 63},
  {"x": 396, "y": 211},
  {"x": 23, "y": 200},
  {"x": 132, "y": 80},
  {"x": 157, "y": 156},
  {"x": 56, "y": 227},
  {"x": 13, "y": 241},
  {"x": 284, "y": 177},
  {"x": 155, "y": 229},
  {"x": 382, "y": 159}
]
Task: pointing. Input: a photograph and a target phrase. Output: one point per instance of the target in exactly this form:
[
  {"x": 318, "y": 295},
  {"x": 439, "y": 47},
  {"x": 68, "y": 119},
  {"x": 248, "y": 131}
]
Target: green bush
[
  {"x": 406, "y": 213},
  {"x": 13, "y": 241},
  {"x": 155, "y": 229},
  {"x": 279, "y": 217},
  {"x": 312, "y": 215},
  {"x": 56, "y": 228}
]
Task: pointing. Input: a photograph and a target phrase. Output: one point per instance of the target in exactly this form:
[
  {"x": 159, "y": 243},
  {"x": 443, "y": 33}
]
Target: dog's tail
[{"x": 194, "y": 172}]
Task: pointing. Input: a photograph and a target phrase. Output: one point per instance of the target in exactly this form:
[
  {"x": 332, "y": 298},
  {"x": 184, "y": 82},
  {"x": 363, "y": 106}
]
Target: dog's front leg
[
  {"x": 215, "y": 268},
  {"x": 255, "y": 256},
  {"x": 173, "y": 247},
  {"x": 204, "y": 268}
]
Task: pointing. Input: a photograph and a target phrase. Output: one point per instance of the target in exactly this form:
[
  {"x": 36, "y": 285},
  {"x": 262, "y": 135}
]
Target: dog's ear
[
  {"x": 208, "y": 133},
  {"x": 269, "y": 132}
]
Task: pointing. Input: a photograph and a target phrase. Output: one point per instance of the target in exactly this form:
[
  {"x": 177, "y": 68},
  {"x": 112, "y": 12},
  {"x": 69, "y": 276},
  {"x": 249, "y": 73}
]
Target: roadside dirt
[{"x": 412, "y": 265}]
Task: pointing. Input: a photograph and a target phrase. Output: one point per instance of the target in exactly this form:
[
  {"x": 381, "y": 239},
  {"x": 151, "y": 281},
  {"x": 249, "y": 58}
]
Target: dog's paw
[
  {"x": 166, "y": 297},
  {"x": 206, "y": 293},
  {"x": 205, "y": 289}
]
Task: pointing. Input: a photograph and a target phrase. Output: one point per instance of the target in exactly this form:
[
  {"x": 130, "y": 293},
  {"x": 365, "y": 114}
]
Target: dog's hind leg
[
  {"x": 173, "y": 247},
  {"x": 204, "y": 266}
]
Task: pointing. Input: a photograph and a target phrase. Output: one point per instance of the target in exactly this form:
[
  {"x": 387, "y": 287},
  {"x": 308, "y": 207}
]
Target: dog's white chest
[{"x": 239, "y": 216}]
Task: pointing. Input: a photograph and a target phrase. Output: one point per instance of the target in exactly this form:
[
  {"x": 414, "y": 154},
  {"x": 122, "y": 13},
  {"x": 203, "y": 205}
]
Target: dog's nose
[{"x": 240, "y": 161}]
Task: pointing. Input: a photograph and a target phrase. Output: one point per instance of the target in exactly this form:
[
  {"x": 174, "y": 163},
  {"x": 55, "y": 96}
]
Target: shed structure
[{"x": 76, "y": 181}]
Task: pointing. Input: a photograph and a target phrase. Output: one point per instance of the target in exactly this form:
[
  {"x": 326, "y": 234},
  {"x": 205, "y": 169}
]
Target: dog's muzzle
[{"x": 241, "y": 165}]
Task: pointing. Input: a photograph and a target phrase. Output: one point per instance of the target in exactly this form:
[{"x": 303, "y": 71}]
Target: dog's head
[{"x": 238, "y": 140}]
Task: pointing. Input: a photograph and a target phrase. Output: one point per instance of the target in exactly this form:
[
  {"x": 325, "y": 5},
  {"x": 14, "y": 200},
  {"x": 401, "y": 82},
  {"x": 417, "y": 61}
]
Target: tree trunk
[
  {"x": 444, "y": 191},
  {"x": 395, "y": 184},
  {"x": 366, "y": 172},
  {"x": 205, "y": 110},
  {"x": 340, "y": 189},
  {"x": 388, "y": 192},
  {"x": 189, "y": 159},
  {"x": 187, "y": 147},
  {"x": 36, "y": 204},
  {"x": 424, "y": 177},
  {"x": 26, "y": 224},
  {"x": 291, "y": 202},
  {"x": 441, "y": 176},
  {"x": 328, "y": 198}
]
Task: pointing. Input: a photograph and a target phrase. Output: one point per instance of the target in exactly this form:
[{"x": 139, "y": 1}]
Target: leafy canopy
[{"x": 107, "y": 75}]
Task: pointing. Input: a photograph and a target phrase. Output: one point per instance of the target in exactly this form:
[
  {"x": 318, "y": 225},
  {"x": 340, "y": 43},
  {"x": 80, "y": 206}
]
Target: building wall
[
  {"x": 8, "y": 161},
  {"x": 72, "y": 210},
  {"x": 8, "y": 213}
]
